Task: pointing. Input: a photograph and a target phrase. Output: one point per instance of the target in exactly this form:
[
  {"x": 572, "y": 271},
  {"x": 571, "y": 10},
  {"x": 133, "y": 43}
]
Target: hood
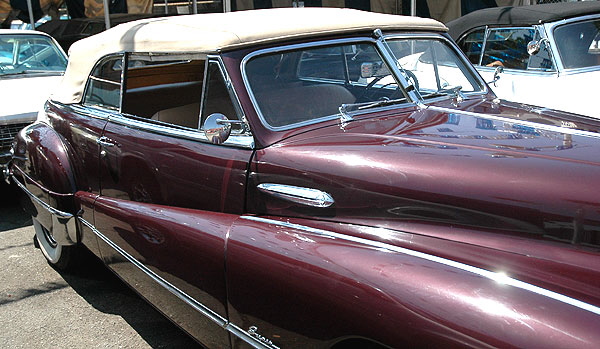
[
  {"x": 445, "y": 166},
  {"x": 25, "y": 96},
  {"x": 455, "y": 184}
]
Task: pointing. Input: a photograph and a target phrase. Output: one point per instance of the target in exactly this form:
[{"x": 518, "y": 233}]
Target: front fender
[
  {"x": 300, "y": 281},
  {"x": 41, "y": 167}
]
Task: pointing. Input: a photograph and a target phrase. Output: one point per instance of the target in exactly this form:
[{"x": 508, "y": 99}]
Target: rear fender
[{"x": 41, "y": 167}]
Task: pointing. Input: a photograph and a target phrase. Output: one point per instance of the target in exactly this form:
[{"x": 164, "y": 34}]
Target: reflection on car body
[{"x": 327, "y": 178}]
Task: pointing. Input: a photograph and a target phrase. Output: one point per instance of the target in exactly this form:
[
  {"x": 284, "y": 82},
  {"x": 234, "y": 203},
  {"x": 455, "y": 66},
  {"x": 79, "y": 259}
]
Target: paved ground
[{"x": 91, "y": 308}]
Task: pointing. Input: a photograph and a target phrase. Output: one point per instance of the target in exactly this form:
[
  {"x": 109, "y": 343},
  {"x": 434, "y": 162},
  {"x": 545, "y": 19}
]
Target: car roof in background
[
  {"x": 21, "y": 32},
  {"x": 213, "y": 32},
  {"x": 521, "y": 15}
]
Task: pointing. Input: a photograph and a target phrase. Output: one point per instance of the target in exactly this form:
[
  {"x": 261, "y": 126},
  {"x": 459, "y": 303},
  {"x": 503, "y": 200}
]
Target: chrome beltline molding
[
  {"x": 552, "y": 128},
  {"x": 495, "y": 276},
  {"x": 204, "y": 310}
]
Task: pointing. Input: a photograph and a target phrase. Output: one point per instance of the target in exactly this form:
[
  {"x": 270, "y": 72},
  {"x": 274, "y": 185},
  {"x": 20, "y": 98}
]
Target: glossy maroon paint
[
  {"x": 401, "y": 300},
  {"x": 446, "y": 191}
]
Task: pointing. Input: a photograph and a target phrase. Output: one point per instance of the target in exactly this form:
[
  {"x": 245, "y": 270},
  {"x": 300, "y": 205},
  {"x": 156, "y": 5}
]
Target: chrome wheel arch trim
[
  {"x": 300, "y": 195},
  {"x": 498, "y": 277},
  {"x": 201, "y": 308}
]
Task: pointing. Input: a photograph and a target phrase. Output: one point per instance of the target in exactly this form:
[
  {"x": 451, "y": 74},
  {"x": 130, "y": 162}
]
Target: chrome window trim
[
  {"x": 523, "y": 72},
  {"x": 488, "y": 274},
  {"x": 271, "y": 50},
  {"x": 245, "y": 141},
  {"x": 90, "y": 76},
  {"x": 189, "y": 300},
  {"x": 165, "y": 129},
  {"x": 116, "y": 116},
  {"x": 549, "y": 31}
]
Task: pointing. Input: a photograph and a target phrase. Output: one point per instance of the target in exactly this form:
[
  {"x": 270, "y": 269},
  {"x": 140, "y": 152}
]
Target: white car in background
[
  {"x": 546, "y": 55},
  {"x": 31, "y": 65}
]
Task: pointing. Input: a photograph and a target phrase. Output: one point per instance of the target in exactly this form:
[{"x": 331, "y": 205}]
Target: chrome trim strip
[
  {"x": 221, "y": 321},
  {"x": 201, "y": 308},
  {"x": 300, "y": 195},
  {"x": 52, "y": 210},
  {"x": 495, "y": 276}
]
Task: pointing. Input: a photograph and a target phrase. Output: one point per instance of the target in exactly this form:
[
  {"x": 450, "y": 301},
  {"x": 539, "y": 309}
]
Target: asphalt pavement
[{"x": 85, "y": 308}]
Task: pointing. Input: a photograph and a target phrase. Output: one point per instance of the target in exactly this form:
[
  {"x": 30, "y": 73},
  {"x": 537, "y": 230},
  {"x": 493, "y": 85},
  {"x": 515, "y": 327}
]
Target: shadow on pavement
[
  {"x": 12, "y": 215},
  {"x": 107, "y": 293},
  {"x": 98, "y": 286}
]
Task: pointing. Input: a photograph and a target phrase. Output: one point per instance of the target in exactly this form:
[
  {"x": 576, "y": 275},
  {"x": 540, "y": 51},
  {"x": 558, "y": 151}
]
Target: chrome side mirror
[
  {"x": 534, "y": 46},
  {"x": 217, "y": 128},
  {"x": 499, "y": 70}
]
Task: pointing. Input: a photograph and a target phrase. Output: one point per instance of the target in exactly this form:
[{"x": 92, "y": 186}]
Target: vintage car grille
[{"x": 8, "y": 133}]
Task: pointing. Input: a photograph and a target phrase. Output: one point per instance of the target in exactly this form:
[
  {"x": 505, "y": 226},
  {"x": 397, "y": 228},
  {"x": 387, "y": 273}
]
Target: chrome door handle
[{"x": 104, "y": 142}]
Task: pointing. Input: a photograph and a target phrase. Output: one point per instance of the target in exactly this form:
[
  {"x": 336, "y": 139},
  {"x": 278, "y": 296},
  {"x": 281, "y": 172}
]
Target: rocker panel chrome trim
[
  {"x": 204, "y": 310},
  {"x": 495, "y": 276}
]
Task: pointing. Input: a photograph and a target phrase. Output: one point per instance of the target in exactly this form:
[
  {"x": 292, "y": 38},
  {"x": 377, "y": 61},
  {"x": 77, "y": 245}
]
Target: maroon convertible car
[{"x": 318, "y": 178}]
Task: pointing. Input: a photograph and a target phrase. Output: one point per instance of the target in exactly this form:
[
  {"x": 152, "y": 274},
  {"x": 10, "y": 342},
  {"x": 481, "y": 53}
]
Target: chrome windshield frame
[
  {"x": 314, "y": 44},
  {"x": 414, "y": 99}
]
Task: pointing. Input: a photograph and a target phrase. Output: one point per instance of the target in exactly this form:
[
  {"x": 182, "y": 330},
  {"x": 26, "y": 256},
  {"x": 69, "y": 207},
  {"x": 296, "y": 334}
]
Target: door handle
[{"x": 105, "y": 142}]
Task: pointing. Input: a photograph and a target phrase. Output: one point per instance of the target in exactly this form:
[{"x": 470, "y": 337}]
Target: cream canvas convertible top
[{"x": 212, "y": 32}]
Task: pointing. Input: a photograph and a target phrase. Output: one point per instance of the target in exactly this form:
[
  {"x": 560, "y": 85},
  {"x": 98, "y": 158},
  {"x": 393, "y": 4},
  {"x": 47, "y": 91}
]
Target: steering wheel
[{"x": 411, "y": 78}]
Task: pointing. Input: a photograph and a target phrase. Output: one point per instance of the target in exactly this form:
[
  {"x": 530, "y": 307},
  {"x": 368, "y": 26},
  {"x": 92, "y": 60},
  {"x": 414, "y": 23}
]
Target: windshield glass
[
  {"x": 578, "y": 44},
  {"x": 433, "y": 67},
  {"x": 22, "y": 54},
  {"x": 311, "y": 84}
]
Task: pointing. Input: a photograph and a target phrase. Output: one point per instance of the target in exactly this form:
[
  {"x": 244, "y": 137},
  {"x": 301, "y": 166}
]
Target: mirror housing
[
  {"x": 217, "y": 128},
  {"x": 534, "y": 46}
]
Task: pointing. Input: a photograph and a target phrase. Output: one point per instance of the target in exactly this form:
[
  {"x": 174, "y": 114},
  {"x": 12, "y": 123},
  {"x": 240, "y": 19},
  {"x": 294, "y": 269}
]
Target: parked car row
[{"x": 318, "y": 178}]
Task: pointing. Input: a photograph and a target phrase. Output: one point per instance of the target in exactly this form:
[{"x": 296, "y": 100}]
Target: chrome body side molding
[
  {"x": 299, "y": 195},
  {"x": 201, "y": 308},
  {"x": 495, "y": 276}
]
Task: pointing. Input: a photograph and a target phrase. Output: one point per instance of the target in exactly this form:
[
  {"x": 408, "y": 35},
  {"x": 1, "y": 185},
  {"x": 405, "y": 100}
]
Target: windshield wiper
[
  {"x": 452, "y": 91},
  {"x": 344, "y": 116}
]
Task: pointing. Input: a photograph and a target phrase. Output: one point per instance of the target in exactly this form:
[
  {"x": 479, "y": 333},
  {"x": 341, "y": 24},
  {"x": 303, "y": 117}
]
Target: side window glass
[
  {"x": 471, "y": 45},
  {"x": 164, "y": 89},
  {"x": 543, "y": 59},
  {"x": 507, "y": 47},
  {"x": 216, "y": 96},
  {"x": 104, "y": 85}
]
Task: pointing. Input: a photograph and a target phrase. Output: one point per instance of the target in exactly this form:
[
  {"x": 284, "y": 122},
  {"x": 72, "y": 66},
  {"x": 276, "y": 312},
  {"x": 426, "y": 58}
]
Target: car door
[
  {"x": 167, "y": 195},
  {"x": 523, "y": 76}
]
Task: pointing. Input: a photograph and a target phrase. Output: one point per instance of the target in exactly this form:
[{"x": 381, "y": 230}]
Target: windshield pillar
[{"x": 398, "y": 72}]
